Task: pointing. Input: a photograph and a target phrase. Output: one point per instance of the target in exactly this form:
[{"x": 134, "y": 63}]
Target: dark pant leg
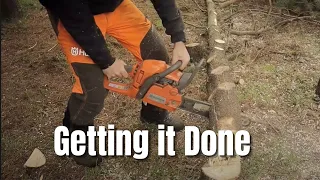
[
  {"x": 153, "y": 47},
  {"x": 83, "y": 108},
  {"x": 136, "y": 33}
]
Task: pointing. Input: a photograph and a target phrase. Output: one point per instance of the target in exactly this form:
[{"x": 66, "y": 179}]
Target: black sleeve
[
  {"x": 76, "y": 17},
  {"x": 171, "y": 19}
]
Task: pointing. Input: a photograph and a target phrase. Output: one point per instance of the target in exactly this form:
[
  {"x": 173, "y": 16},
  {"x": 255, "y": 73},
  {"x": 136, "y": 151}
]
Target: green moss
[{"x": 158, "y": 24}]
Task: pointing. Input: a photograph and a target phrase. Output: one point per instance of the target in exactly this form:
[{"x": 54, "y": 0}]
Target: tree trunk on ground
[
  {"x": 9, "y": 9},
  {"x": 225, "y": 113}
]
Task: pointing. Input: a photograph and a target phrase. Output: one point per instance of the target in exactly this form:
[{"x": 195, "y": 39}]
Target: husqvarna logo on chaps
[{"x": 78, "y": 52}]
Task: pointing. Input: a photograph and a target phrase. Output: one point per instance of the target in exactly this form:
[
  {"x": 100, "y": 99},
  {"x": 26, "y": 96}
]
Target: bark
[{"x": 225, "y": 113}]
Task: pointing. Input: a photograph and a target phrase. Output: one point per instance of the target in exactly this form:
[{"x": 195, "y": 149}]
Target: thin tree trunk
[{"x": 226, "y": 109}]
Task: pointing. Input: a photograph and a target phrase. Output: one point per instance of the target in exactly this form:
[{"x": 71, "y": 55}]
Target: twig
[
  {"x": 235, "y": 55},
  {"x": 252, "y": 33},
  {"x": 271, "y": 13},
  {"x": 258, "y": 53},
  {"x": 33, "y": 46},
  {"x": 228, "y": 3},
  {"x": 270, "y": 9},
  {"x": 197, "y": 26},
  {"x": 250, "y": 119},
  {"x": 203, "y": 10},
  {"x": 52, "y": 47}
]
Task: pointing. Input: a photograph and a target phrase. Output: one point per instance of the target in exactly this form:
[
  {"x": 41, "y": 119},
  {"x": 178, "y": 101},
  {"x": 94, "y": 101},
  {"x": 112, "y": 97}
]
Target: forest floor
[{"x": 279, "y": 68}]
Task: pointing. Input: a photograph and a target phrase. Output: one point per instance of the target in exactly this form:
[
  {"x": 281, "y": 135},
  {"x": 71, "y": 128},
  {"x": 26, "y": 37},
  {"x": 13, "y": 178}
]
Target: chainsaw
[{"x": 156, "y": 83}]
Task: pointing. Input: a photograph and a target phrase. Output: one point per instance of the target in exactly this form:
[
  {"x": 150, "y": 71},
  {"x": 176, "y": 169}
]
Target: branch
[
  {"x": 197, "y": 26},
  {"x": 270, "y": 9},
  {"x": 228, "y": 3},
  {"x": 203, "y": 10}
]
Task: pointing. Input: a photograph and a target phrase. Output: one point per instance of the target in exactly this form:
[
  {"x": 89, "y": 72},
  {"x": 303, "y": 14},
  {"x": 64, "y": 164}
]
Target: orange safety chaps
[{"x": 135, "y": 32}]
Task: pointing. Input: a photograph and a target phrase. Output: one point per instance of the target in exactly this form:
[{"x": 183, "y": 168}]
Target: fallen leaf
[
  {"x": 41, "y": 177},
  {"x": 36, "y": 159}
]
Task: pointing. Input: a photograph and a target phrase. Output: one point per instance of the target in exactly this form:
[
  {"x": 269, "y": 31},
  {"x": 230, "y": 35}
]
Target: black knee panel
[
  {"x": 152, "y": 46},
  {"x": 152, "y": 113},
  {"x": 85, "y": 107}
]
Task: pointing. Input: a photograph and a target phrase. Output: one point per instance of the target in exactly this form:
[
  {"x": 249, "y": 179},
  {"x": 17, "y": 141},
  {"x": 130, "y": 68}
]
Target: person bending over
[{"x": 81, "y": 27}]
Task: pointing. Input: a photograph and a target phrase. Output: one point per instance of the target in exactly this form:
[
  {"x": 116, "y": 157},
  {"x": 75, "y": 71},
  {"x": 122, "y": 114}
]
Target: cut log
[{"x": 225, "y": 112}]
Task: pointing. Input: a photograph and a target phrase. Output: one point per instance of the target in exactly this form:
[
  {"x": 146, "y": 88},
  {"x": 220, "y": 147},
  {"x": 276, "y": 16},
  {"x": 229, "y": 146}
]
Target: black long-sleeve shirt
[{"x": 77, "y": 18}]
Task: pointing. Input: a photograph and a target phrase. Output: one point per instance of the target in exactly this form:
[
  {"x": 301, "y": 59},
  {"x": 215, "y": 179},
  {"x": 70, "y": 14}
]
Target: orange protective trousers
[{"x": 128, "y": 25}]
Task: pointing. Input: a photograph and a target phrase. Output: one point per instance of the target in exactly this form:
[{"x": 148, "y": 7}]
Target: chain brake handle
[
  {"x": 187, "y": 78},
  {"x": 156, "y": 77}
]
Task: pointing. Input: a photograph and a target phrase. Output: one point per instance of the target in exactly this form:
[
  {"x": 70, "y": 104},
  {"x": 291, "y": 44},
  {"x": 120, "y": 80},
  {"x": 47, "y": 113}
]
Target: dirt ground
[{"x": 280, "y": 69}]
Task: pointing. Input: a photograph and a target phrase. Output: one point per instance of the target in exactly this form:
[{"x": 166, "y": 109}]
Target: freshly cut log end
[
  {"x": 219, "y": 48},
  {"x": 36, "y": 159},
  {"x": 220, "y": 168},
  {"x": 220, "y": 41},
  {"x": 227, "y": 123}
]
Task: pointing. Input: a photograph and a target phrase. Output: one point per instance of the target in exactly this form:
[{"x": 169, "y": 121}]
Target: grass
[
  {"x": 158, "y": 24},
  {"x": 277, "y": 162},
  {"x": 26, "y": 5},
  {"x": 258, "y": 92},
  {"x": 300, "y": 91}
]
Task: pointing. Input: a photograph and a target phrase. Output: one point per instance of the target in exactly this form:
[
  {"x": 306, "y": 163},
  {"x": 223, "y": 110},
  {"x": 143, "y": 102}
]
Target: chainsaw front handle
[
  {"x": 156, "y": 77},
  {"x": 187, "y": 78}
]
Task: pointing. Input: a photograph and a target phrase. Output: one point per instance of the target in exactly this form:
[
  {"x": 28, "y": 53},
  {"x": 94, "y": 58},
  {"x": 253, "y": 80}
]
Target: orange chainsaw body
[{"x": 164, "y": 95}]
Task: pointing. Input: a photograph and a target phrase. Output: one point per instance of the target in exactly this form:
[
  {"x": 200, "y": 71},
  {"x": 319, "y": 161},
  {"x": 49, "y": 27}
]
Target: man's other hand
[
  {"x": 180, "y": 53},
  {"x": 116, "y": 70}
]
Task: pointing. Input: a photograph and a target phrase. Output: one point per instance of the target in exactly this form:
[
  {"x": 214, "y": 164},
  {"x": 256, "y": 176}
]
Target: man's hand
[
  {"x": 116, "y": 70},
  {"x": 180, "y": 53}
]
